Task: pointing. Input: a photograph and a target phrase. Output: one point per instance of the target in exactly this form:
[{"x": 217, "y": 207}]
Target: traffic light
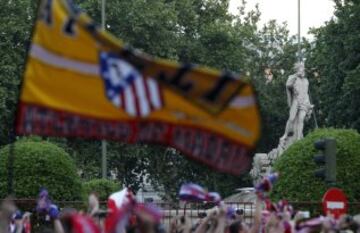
[{"x": 326, "y": 158}]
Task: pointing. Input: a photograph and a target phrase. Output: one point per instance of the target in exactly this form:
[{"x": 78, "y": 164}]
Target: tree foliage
[
  {"x": 16, "y": 22},
  {"x": 102, "y": 187},
  {"x": 296, "y": 167},
  {"x": 40, "y": 164},
  {"x": 334, "y": 65}
]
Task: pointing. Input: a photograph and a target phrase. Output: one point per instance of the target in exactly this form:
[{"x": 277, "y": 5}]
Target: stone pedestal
[{"x": 261, "y": 167}]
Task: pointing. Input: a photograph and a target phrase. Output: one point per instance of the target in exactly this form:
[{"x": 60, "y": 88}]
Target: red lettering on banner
[
  {"x": 240, "y": 154},
  {"x": 152, "y": 131},
  {"x": 202, "y": 145},
  {"x": 225, "y": 154},
  {"x": 210, "y": 153}
]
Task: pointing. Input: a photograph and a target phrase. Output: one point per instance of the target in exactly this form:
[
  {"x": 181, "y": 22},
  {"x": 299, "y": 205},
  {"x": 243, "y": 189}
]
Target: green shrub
[
  {"x": 296, "y": 167},
  {"x": 103, "y": 188},
  {"x": 40, "y": 164}
]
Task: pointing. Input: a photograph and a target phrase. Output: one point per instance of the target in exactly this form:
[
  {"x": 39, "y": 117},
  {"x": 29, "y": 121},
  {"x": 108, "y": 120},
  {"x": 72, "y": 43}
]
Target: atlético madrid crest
[{"x": 126, "y": 88}]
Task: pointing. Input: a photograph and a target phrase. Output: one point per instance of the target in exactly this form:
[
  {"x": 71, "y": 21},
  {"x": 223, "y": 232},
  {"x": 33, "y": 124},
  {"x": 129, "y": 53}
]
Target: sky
[{"x": 314, "y": 13}]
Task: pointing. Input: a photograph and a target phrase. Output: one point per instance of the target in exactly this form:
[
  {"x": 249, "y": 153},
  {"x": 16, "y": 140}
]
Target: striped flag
[
  {"x": 118, "y": 199},
  {"x": 127, "y": 89},
  {"x": 310, "y": 225},
  {"x": 194, "y": 192}
]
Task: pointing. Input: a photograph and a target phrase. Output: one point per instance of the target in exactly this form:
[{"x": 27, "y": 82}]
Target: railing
[
  {"x": 194, "y": 211},
  {"x": 191, "y": 210}
]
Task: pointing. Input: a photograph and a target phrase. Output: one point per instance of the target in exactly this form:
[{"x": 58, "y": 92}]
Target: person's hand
[
  {"x": 185, "y": 224},
  {"x": 222, "y": 209},
  {"x": 173, "y": 224}
]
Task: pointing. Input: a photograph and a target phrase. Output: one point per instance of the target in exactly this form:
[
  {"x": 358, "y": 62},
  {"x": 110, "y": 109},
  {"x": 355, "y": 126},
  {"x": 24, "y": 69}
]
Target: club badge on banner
[{"x": 80, "y": 81}]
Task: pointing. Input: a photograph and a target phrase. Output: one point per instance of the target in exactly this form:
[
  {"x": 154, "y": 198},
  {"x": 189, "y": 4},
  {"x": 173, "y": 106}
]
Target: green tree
[
  {"x": 333, "y": 62},
  {"x": 40, "y": 164},
  {"x": 296, "y": 167},
  {"x": 16, "y": 22}
]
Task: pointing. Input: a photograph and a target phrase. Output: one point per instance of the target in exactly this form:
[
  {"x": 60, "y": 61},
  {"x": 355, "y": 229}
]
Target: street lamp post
[
  {"x": 300, "y": 57},
  {"x": 103, "y": 142},
  {"x": 299, "y": 32}
]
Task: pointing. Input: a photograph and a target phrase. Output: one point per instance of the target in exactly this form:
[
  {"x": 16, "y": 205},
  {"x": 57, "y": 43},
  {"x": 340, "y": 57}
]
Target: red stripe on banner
[
  {"x": 211, "y": 148},
  {"x": 217, "y": 153},
  {"x": 147, "y": 93},
  {"x": 136, "y": 98},
  {"x": 206, "y": 145}
]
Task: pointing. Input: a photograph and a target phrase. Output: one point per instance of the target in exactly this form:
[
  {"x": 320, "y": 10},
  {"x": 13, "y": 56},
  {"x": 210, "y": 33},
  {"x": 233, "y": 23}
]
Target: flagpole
[
  {"x": 103, "y": 142},
  {"x": 299, "y": 32},
  {"x": 103, "y": 2},
  {"x": 300, "y": 55}
]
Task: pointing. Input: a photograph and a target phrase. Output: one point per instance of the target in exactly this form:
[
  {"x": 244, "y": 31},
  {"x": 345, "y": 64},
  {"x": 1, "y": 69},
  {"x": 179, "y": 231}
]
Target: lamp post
[
  {"x": 299, "y": 32},
  {"x": 103, "y": 142},
  {"x": 300, "y": 56}
]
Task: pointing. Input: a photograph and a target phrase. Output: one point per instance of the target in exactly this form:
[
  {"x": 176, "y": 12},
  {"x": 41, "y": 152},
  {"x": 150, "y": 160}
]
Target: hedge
[
  {"x": 102, "y": 187},
  {"x": 40, "y": 164},
  {"x": 296, "y": 167}
]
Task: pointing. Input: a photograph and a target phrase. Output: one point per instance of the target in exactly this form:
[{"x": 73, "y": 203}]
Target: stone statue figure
[
  {"x": 297, "y": 86},
  {"x": 297, "y": 90}
]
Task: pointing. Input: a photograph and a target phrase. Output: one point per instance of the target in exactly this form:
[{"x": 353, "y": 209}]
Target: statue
[{"x": 297, "y": 87}]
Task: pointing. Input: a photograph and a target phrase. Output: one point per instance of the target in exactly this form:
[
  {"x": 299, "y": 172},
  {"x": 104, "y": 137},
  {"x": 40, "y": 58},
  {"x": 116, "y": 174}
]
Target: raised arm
[
  {"x": 221, "y": 218},
  {"x": 203, "y": 225},
  {"x": 257, "y": 218}
]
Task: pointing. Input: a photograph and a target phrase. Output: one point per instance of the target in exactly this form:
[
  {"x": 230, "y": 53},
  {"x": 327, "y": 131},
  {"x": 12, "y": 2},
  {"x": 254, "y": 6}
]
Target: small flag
[
  {"x": 119, "y": 199},
  {"x": 124, "y": 208},
  {"x": 118, "y": 220},
  {"x": 194, "y": 192},
  {"x": 266, "y": 184},
  {"x": 310, "y": 225}
]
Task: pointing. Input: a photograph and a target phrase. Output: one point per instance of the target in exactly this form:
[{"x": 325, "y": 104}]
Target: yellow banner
[{"x": 81, "y": 82}]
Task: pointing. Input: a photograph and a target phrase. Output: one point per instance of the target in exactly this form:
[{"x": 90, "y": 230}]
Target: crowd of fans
[{"x": 125, "y": 215}]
